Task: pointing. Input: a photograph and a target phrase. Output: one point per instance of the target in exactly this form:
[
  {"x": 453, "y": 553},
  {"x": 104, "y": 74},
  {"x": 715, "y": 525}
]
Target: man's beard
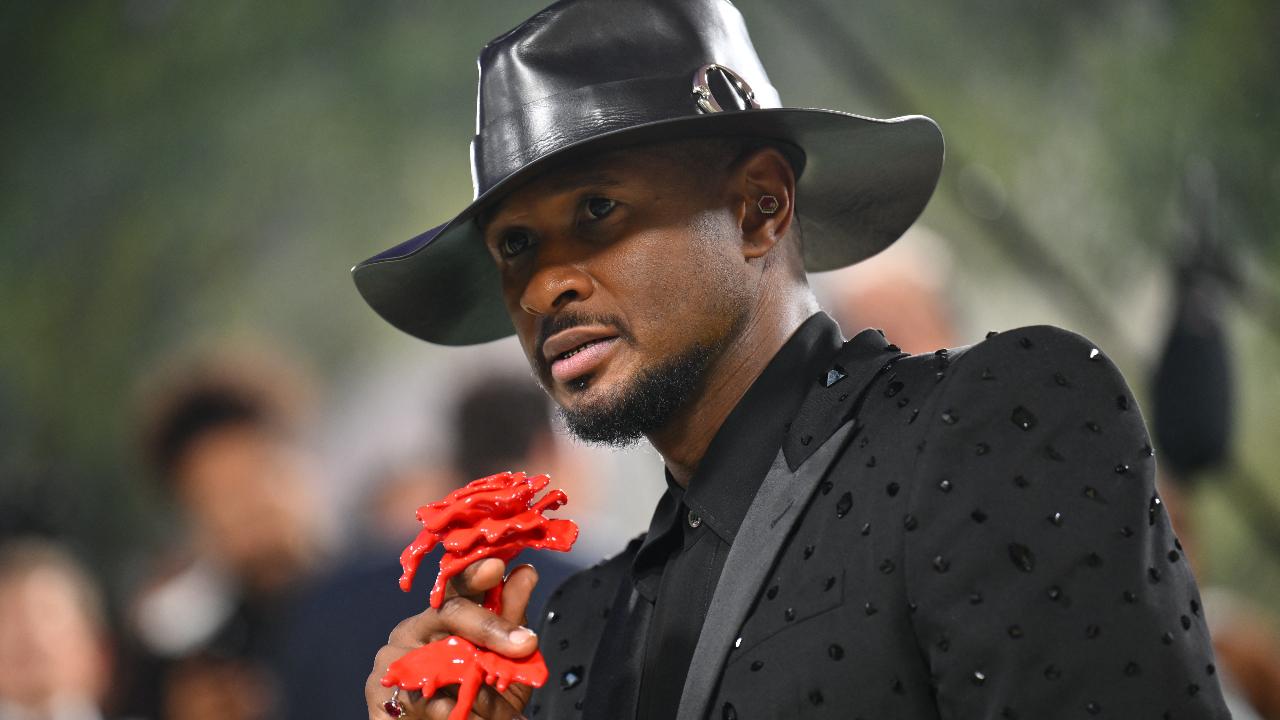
[{"x": 646, "y": 404}]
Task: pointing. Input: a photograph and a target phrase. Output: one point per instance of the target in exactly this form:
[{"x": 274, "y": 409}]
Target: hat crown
[{"x": 582, "y": 68}]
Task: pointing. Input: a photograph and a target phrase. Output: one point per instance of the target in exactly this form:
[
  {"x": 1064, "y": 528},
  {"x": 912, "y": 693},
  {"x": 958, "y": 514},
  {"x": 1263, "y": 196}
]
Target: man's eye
[
  {"x": 514, "y": 243},
  {"x": 598, "y": 207}
]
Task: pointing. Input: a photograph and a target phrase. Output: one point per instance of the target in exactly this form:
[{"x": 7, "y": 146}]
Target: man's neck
[{"x": 684, "y": 441}]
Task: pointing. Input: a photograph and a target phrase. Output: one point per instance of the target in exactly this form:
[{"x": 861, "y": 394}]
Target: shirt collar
[{"x": 743, "y": 449}]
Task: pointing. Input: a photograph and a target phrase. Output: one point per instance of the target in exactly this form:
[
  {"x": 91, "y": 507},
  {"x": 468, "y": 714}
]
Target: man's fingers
[
  {"x": 478, "y": 578},
  {"x": 416, "y": 630},
  {"x": 516, "y": 593},
  {"x": 488, "y": 705},
  {"x": 465, "y": 619},
  {"x": 374, "y": 693},
  {"x": 438, "y": 707},
  {"x": 462, "y": 617}
]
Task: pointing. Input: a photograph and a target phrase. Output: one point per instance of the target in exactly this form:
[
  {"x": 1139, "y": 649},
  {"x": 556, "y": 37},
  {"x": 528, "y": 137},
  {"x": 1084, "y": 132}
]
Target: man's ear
[{"x": 765, "y": 186}]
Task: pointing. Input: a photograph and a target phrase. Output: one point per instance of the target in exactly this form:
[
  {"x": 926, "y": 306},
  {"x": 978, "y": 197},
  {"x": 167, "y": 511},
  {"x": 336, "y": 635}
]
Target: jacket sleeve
[{"x": 1045, "y": 578}]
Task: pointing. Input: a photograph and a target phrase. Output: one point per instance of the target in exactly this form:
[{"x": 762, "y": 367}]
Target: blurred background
[{"x": 198, "y": 411}]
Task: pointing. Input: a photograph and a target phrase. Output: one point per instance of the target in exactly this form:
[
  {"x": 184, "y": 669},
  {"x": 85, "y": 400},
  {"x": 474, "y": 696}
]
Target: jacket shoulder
[
  {"x": 1021, "y": 346},
  {"x": 1057, "y": 369},
  {"x": 1039, "y": 545},
  {"x": 1046, "y": 338}
]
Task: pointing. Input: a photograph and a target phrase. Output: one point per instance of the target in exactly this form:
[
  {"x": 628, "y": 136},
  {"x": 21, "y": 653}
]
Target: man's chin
[
  {"x": 620, "y": 411},
  {"x": 600, "y": 423},
  {"x": 590, "y": 410}
]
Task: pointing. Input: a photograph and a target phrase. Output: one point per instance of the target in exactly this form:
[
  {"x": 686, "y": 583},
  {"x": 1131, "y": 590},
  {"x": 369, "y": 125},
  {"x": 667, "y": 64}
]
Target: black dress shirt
[{"x": 679, "y": 563}]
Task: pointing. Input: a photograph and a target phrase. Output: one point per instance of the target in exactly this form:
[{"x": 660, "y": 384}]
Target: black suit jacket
[{"x": 969, "y": 534}]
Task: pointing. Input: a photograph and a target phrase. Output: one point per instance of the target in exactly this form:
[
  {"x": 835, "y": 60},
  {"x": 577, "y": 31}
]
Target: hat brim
[{"x": 865, "y": 181}]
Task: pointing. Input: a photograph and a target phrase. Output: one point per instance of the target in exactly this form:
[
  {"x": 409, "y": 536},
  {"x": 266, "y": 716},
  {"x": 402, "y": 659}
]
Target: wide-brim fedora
[{"x": 588, "y": 76}]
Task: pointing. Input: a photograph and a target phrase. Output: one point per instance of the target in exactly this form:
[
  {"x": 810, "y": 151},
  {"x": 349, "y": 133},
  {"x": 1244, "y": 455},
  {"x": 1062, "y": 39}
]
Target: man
[
  {"x": 848, "y": 531},
  {"x": 223, "y": 434}
]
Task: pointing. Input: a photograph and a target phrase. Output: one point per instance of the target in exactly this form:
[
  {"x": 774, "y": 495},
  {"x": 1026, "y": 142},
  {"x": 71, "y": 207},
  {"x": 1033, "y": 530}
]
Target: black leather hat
[{"x": 584, "y": 76}]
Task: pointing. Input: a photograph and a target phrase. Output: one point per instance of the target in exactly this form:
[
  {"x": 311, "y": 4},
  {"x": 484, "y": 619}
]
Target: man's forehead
[
  {"x": 596, "y": 175},
  {"x": 612, "y": 167}
]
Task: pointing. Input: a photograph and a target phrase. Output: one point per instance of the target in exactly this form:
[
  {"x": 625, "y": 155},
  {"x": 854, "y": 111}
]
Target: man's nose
[{"x": 556, "y": 281}]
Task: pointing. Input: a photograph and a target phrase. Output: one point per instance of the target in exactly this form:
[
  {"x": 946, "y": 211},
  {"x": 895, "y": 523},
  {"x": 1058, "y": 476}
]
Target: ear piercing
[{"x": 768, "y": 204}]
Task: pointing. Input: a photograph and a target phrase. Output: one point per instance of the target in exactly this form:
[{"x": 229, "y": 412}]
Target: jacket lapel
[
  {"x": 828, "y": 411},
  {"x": 778, "y": 504}
]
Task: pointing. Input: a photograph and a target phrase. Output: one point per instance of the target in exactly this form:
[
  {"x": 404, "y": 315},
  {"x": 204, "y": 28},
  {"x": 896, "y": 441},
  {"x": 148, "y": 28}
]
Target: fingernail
[{"x": 519, "y": 635}]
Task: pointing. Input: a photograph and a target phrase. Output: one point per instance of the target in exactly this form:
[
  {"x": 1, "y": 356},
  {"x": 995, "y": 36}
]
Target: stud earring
[{"x": 768, "y": 204}]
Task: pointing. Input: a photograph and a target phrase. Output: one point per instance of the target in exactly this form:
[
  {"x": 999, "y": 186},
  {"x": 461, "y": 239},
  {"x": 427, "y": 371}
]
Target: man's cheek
[{"x": 526, "y": 333}]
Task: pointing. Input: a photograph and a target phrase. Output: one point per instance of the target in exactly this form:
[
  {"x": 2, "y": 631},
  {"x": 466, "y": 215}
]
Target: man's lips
[{"x": 576, "y": 351}]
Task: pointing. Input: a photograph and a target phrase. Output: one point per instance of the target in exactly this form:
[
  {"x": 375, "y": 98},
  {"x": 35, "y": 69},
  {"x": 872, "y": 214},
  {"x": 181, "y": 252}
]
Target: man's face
[
  {"x": 252, "y": 501},
  {"x": 625, "y": 279},
  {"x": 50, "y": 647}
]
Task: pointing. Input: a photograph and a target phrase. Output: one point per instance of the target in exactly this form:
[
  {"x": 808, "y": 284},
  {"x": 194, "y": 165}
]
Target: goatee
[{"x": 645, "y": 405}]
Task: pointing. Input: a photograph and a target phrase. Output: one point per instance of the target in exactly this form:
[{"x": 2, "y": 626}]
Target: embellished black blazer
[{"x": 968, "y": 534}]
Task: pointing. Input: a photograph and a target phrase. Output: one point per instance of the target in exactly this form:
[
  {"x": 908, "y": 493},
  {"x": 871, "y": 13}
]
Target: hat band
[{"x": 509, "y": 142}]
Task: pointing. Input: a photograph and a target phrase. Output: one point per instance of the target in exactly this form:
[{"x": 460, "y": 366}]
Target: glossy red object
[{"x": 495, "y": 516}]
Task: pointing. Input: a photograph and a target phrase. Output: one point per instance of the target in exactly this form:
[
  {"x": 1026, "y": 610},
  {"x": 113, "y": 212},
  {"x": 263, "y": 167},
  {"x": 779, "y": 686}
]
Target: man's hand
[{"x": 461, "y": 614}]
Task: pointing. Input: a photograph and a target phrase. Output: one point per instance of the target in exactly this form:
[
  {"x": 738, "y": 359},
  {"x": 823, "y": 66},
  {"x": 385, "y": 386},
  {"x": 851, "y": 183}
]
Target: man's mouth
[
  {"x": 580, "y": 348},
  {"x": 575, "y": 352}
]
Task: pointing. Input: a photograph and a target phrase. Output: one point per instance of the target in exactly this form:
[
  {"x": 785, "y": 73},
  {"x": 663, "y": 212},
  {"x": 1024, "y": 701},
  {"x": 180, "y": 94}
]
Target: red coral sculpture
[{"x": 495, "y": 516}]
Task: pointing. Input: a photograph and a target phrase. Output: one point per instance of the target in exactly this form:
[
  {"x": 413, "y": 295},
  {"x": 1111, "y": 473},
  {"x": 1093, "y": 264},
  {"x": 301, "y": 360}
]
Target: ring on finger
[{"x": 393, "y": 707}]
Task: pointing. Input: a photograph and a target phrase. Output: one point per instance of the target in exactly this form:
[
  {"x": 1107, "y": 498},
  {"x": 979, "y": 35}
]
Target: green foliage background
[{"x": 176, "y": 169}]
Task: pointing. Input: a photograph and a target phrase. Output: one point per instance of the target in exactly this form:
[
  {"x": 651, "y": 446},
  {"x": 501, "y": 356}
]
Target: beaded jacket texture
[{"x": 981, "y": 538}]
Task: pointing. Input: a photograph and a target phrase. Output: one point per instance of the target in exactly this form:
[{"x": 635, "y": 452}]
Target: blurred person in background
[
  {"x": 223, "y": 433},
  {"x": 498, "y": 422},
  {"x": 55, "y": 657}
]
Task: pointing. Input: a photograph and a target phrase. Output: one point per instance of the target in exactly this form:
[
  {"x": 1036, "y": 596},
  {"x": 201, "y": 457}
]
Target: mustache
[{"x": 549, "y": 325}]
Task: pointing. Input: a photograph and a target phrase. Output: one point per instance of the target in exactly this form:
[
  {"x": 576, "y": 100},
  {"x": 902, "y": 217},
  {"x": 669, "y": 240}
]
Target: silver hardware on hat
[{"x": 707, "y": 100}]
